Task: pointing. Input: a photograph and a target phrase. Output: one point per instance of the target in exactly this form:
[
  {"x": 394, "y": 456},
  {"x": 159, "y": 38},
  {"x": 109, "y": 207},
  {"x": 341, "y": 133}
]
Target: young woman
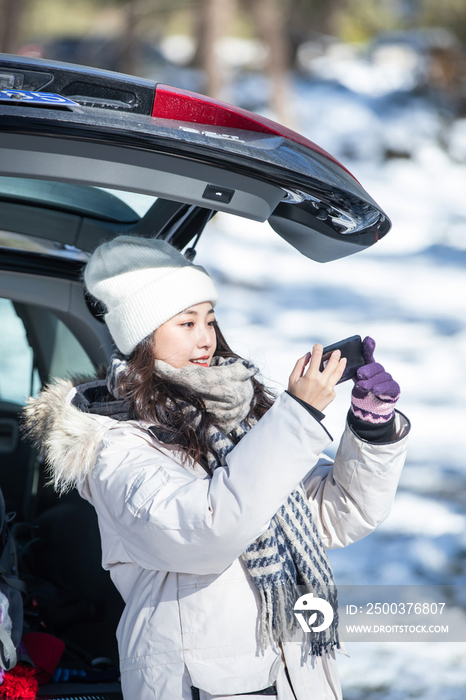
[{"x": 214, "y": 500}]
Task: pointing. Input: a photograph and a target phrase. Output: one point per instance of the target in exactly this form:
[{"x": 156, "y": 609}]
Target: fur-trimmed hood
[{"x": 67, "y": 435}]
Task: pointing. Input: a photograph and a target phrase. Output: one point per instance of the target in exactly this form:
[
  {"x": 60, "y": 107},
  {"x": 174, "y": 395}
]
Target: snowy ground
[{"x": 409, "y": 293}]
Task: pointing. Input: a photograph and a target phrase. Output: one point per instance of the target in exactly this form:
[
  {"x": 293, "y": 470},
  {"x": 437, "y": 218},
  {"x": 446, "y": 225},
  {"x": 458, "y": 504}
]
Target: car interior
[{"x": 69, "y": 595}]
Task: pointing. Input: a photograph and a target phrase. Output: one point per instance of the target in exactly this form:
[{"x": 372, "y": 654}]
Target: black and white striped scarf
[{"x": 288, "y": 559}]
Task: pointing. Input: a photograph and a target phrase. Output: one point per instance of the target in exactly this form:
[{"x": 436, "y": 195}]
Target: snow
[
  {"x": 418, "y": 515},
  {"x": 424, "y": 670},
  {"x": 457, "y": 141}
]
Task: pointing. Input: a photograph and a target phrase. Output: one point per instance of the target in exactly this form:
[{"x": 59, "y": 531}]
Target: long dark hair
[{"x": 161, "y": 401}]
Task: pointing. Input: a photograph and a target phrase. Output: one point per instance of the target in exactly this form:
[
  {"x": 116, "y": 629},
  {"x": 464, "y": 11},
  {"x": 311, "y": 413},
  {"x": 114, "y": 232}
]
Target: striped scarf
[{"x": 288, "y": 559}]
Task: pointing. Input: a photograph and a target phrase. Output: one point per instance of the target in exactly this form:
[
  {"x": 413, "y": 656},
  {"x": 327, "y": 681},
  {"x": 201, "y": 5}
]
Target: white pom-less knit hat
[{"x": 143, "y": 282}]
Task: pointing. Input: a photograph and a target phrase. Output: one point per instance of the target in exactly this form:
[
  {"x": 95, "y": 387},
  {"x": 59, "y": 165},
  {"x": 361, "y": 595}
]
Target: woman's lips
[{"x": 201, "y": 364}]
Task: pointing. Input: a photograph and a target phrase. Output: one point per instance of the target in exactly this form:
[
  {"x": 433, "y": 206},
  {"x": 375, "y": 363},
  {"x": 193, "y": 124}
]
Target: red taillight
[{"x": 186, "y": 106}]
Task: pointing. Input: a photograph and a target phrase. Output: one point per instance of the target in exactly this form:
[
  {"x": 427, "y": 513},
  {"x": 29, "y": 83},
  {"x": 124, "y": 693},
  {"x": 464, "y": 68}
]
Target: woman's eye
[{"x": 188, "y": 323}]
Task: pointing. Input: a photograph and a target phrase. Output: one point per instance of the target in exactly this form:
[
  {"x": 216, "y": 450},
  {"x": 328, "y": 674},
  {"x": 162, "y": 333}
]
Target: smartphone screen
[{"x": 351, "y": 348}]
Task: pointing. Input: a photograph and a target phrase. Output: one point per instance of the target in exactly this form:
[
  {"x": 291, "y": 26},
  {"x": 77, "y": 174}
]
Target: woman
[{"x": 215, "y": 503}]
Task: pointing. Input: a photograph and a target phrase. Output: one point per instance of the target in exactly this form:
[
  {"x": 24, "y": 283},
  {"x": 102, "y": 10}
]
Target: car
[
  {"x": 97, "y": 51},
  {"x": 78, "y": 146}
]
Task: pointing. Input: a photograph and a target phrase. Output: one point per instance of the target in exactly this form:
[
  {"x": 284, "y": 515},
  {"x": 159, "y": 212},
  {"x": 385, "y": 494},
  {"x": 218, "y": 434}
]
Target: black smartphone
[{"x": 351, "y": 348}]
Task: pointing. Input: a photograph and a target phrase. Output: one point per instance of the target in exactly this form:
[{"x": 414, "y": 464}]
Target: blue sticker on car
[{"x": 35, "y": 97}]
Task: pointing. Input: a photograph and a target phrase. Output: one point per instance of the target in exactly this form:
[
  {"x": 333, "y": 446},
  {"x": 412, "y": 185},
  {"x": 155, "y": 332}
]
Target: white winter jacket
[{"x": 172, "y": 537}]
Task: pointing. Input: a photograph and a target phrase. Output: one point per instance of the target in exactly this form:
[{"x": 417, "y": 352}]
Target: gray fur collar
[{"x": 68, "y": 437}]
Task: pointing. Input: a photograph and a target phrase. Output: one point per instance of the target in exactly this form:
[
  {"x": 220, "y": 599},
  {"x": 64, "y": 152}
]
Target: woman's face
[{"x": 188, "y": 338}]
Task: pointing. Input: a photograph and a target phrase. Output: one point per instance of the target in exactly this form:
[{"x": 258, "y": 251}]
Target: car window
[
  {"x": 141, "y": 203},
  {"x": 35, "y": 345},
  {"x": 68, "y": 357},
  {"x": 16, "y": 356}
]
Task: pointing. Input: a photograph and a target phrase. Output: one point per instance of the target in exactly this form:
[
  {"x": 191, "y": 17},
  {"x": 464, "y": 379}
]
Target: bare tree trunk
[
  {"x": 213, "y": 21},
  {"x": 269, "y": 26},
  {"x": 127, "y": 59},
  {"x": 11, "y": 12}
]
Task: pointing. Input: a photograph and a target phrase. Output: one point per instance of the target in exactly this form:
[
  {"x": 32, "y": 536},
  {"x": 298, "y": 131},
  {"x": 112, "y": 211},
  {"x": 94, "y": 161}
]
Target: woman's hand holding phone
[{"x": 313, "y": 386}]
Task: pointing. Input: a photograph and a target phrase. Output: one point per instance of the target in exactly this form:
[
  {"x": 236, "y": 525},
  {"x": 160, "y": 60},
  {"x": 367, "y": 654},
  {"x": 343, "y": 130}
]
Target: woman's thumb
[{"x": 368, "y": 347}]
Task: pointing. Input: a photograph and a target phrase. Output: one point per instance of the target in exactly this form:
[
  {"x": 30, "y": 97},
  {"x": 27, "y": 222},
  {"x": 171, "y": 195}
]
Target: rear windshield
[{"x": 43, "y": 216}]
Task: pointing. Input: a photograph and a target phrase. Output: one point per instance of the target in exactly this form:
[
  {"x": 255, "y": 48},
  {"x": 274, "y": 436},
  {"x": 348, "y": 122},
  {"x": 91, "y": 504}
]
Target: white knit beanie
[{"x": 143, "y": 282}]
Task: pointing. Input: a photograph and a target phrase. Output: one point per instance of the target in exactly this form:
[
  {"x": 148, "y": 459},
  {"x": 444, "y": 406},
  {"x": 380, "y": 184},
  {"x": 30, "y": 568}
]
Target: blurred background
[
  {"x": 248, "y": 50},
  {"x": 380, "y": 84}
]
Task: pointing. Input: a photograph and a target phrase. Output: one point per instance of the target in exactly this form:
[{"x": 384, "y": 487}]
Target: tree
[
  {"x": 127, "y": 62},
  {"x": 11, "y": 13},
  {"x": 268, "y": 22},
  {"x": 213, "y": 20}
]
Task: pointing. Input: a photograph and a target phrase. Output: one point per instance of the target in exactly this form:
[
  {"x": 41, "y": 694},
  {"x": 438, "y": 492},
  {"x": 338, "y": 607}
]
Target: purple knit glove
[{"x": 375, "y": 393}]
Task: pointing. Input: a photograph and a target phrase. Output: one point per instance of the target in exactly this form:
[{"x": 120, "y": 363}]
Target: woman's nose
[{"x": 204, "y": 338}]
